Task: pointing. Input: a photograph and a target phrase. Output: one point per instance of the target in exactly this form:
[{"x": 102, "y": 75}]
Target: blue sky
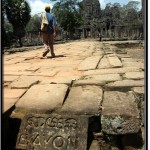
[{"x": 37, "y": 6}]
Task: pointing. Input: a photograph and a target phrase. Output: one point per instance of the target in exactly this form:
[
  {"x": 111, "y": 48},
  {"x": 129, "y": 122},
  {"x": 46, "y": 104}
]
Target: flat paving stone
[
  {"x": 104, "y": 78},
  {"x": 133, "y": 64},
  {"x": 11, "y": 96},
  {"x": 134, "y": 75},
  {"x": 83, "y": 100},
  {"x": 138, "y": 90},
  {"x": 45, "y": 72},
  {"x": 111, "y": 71},
  {"x": 89, "y": 63},
  {"x": 126, "y": 83},
  {"x": 120, "y": 114},
  {"x": 10, "y": 78},
  {"x": 114, "y": 61},
  {"x": 41, "y": 99},
  {"x": 24, "y": 82},
  {"x": 88, "y": 82},
  {"x": 104, "y": 63}
]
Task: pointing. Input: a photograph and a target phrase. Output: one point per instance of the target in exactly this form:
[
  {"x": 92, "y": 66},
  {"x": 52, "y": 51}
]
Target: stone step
[{"x": 120, "y": 114}]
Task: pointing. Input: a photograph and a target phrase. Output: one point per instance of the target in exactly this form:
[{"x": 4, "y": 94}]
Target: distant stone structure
[
  {"x": 94, "y": 27},
  {"x": 91, "y": 17}
]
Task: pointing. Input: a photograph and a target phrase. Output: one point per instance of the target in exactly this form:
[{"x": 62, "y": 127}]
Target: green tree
[
  {"x": 68, "y": 15},
  {"x": 18, "y": 14},
  {"x": 33, "y": 24}
]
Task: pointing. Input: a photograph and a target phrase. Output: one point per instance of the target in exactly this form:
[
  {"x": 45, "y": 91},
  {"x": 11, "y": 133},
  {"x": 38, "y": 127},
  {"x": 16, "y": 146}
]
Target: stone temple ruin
[{"x": 94, "y": 26}]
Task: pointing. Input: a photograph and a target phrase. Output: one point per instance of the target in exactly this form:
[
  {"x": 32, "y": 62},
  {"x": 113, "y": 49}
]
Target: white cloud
[
  {"x": 37, "y": 6},
  {"x": 102, "y": 3}
]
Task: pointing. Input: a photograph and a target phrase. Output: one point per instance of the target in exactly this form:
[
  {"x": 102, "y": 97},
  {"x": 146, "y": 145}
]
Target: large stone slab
[
  {"x": 53, "y": 132},
  {"x": 83, "y": 100},
  {"x": 120, "y": 114},
  {"x": 41, "y": 98},
  {"x": 89, "y": 63},
  {"x": 114, "y": 61},
  {"x": 133, "y": 64},
  {"x": 104, "y": 78},
  {"x": 10, "y": 97},
  {"x": 104, "y": 63},
  {"x": 134, "y": 75},
  {"x": 126, "y": 83},
  {"x": 24, "y": 82},
  {"x": 112, "y": 71}
]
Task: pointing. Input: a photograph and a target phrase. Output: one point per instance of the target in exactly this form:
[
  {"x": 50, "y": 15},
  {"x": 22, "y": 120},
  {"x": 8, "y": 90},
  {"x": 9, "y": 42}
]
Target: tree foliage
[
  {"x": 18, "y": 14},
  {"x": 68, "y": 14}
]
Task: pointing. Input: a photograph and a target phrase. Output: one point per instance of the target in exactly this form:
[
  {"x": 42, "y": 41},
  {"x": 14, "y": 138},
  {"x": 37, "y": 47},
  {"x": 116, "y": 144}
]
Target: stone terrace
[{"x": 86, "y": 77}]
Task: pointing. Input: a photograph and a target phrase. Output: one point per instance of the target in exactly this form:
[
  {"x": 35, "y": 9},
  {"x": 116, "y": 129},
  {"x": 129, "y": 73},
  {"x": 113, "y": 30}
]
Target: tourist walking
[{"x": 48, "y": 31}]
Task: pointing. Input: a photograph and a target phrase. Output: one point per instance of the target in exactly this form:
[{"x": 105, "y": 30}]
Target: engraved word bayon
[{"x": 53, "y": 132}]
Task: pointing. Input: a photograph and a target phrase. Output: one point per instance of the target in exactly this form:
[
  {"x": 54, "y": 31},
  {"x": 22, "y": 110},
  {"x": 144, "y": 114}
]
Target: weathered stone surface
[
  {"x": 138, "y": 90},
  {"x": 103, "y": 78},
  {"x": 128, "y": 60},
  {"x": 10, "y": 78},
  {"x": 120, "y": 114},
  {"x": 45, "y": 72},
  {"x": 134, "y": 75},
  {"x": 52, "y": 132},
  {"x": 41, "y": 98},
  {"x": 10, "y": 97},
  {"x": 126, "y": 83},
  {"x": 111, "y": 71},
  {"x": 133, "y": 64},
  {"x": 13, "y": 93},
  {"x": 24, "y": 82},
  {"x": 83, "y": 100},
  {"x": 123, "y": 56},
  {"x": 89, "y": 63},
  {"x": 94, "y": 145},
  {"x": 88, "y": 82},
  {"x": 114, "y": 61},
  {"x": 104, "y": 63}
]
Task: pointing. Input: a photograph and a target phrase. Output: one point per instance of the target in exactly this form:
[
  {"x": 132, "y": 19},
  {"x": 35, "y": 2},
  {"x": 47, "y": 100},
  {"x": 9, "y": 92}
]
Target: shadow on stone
[
  {"x": 57, "y": 56},
  {"x": 132, "y": 141}
]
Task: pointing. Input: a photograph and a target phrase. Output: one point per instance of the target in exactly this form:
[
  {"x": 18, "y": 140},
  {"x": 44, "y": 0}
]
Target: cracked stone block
[
  {"x": 104, "y": 63},
  {"x": 41, "y": 98},
  {"x": 89, "y": 63},
  {"x": 83, "y": 100},
  {"x": 120, "y": 114},
  {"x": 114, "y": 61}
]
